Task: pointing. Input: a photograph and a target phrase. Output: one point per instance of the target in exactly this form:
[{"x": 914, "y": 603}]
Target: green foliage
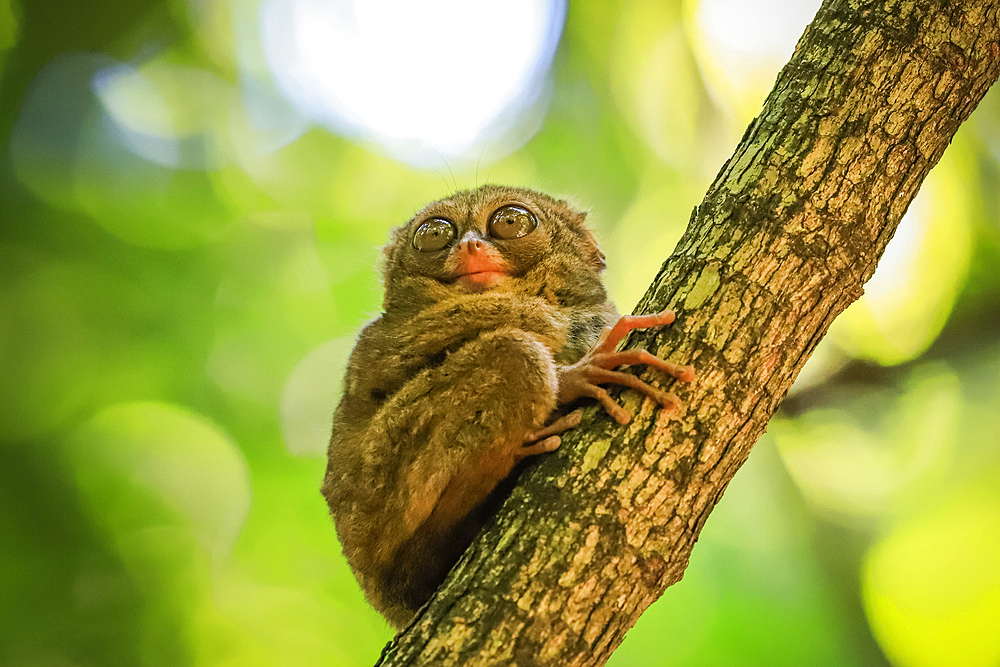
[{"x": 184, "y": 260}]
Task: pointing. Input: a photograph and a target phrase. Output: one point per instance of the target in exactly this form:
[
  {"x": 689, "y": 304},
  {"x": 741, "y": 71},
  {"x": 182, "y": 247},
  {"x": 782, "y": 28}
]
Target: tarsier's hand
[{"x": 595, "y": 368}]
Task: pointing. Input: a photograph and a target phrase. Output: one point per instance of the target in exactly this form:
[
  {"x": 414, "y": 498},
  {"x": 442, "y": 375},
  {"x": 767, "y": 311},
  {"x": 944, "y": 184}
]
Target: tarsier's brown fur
[{"x": 455, "y": 383}]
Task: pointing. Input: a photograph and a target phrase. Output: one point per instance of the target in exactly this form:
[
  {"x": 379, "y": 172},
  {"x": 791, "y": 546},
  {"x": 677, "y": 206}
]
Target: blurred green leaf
[{"x": 185, "y": 259}]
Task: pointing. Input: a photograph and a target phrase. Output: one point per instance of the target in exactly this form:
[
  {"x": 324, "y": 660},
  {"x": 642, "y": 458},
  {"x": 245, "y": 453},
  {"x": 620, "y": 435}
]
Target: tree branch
[{"x": 786, "y": 236}]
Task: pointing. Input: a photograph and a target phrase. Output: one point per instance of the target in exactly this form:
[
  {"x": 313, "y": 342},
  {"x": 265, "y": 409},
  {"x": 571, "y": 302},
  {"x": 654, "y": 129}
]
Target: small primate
[{"x": 494, "y": 320}]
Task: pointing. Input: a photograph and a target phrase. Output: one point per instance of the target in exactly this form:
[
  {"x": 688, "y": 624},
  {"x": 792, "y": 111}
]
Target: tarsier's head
[{"x": 490, "y": 238}]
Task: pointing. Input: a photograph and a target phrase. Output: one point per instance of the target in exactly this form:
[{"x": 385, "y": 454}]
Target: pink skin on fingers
[
  {"x": 596, "y": 367},
  {"x": 549, "y": 444},
  {"x": 605, "y": 376},
  {"x": 547, "y": 439},
  {"x": 629, "y": 322},
  {"x": 621, "y": 415},
  {"x": 564, "y": 423},
  {"x": 613, "y": 359}
]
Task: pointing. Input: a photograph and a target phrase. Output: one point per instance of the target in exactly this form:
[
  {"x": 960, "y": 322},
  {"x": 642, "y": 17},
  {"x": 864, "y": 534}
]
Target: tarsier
[{"x": 495, "y": 319}]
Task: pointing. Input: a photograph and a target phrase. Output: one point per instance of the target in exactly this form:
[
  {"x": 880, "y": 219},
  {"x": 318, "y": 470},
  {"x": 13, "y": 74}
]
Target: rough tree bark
[{"x": 788, "y": 233}]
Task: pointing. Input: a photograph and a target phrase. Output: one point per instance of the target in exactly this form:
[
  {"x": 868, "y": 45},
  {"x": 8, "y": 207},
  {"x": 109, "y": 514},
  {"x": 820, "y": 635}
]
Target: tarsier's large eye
[
  {"x": 511, "y": 222},
  {"x": 434, "y": 234}
]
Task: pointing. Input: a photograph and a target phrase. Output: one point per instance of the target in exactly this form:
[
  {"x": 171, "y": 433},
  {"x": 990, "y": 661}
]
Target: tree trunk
[{"x": 788, "y": 233}]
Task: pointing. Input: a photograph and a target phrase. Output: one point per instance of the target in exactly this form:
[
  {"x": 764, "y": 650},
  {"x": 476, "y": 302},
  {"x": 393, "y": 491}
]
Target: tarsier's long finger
[
  {"x": 623, "y": 357},
  {"x": 603, "y": 375},
  {"x": 564, "y": 423},
  {"x": 628, "y": 322},
  {"x": 620, "y": 414},
  {"x": 549, "y": 444}
]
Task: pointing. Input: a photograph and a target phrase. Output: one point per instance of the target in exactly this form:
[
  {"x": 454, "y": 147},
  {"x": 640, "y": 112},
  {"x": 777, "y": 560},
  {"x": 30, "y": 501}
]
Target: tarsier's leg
[
  {"x": 468, "y": 422},
  {"x": 596, "y": 368},
  {"x": 465, "y": 505}
]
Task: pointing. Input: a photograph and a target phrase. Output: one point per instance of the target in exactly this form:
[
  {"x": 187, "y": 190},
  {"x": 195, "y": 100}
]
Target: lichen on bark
[{"x": 783, "y": 242}]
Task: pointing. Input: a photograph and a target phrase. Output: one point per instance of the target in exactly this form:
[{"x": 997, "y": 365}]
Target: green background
[{"x": 177, "y": 302}]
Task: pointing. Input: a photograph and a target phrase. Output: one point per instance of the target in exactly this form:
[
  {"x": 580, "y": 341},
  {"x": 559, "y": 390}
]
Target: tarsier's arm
[{"x": 449, "y": 324}]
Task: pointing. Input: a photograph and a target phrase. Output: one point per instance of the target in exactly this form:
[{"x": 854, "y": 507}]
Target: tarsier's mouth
[
  {"x": 478, "y": 268},
  {"x": 481, "y": 278},
  {"x": 483, "y": 272}
]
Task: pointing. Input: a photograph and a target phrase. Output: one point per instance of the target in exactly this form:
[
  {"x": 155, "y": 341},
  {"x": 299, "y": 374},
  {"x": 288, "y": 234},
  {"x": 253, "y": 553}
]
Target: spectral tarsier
[{"x": 495, "y": 317}]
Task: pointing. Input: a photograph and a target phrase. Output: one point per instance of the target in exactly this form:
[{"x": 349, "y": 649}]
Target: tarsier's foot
[
  {"x": 547, "y": 439},
  {"x": 595, "y": 368}
]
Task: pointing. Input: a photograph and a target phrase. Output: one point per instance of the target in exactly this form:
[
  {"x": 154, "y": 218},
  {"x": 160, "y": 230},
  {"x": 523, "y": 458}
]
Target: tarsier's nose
[{"x": 472, "y": 243}]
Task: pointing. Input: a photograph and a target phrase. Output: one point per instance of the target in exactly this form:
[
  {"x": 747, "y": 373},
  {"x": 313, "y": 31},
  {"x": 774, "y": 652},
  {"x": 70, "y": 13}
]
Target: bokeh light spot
[
  {"x": 266, "y": 319},
  {"x": 71, "y": 153},
  {"x": 852, "y": 470},
  {"x": 9, "y": 27},
  {"x": 310, "y": 395},
  {"x": 50, "y": 124},
  {"x": 741, "y": 44},
  {"x": 131, "y": 458},
  {"x": 912, "y": 293},
  {"x": 932, "y": 587},
  {"x": 170, "y": 114},
  {"x": 655, "y": 80},
  {"x": 424, "y": 80}
]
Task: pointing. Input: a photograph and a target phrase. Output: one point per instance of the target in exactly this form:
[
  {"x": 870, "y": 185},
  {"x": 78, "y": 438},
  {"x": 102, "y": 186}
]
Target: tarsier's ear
[
  {"x": 389, "y": 249},
  {"x": 592, "y": 252},
  {"x": 397, "y": 238}
]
